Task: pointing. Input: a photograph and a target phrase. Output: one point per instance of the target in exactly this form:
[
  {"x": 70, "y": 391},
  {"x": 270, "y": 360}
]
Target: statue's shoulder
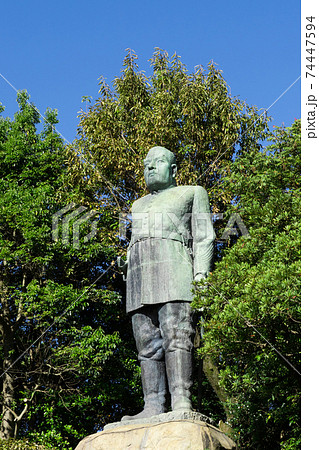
[
  {"x": 137, "y": 204},
  {"x": 191, "y": 191}
]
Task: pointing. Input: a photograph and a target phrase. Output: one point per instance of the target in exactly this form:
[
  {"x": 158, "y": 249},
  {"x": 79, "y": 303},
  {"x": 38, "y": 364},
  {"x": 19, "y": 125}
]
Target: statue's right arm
[
  {"x": 203, "y": 234},
  {"x": 122, "y": 265}
]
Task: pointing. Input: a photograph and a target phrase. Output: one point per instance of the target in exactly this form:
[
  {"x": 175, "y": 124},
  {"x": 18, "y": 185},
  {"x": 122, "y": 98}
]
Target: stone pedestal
[{"x": 170, "y": 431}]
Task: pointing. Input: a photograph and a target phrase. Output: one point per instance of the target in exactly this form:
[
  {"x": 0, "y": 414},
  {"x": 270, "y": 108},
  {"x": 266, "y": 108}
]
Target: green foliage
[
  {"x": 21, "y": 444},
  {"x": 192, "y": 114},
  {"x": 251, "y": 301},
  {"x": 78, "y": 369},
  {"x": 62, "y": 339}
]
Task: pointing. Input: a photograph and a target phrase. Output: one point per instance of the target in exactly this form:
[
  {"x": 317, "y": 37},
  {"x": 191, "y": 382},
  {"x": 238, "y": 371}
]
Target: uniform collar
[{"x": 162, "y": 190}]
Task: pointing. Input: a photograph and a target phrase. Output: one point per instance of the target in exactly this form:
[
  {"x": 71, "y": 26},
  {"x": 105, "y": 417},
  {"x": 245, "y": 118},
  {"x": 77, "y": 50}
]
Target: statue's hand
[
  {"x": 199, "y": 277},
  {"x": 122, "y": 265}
]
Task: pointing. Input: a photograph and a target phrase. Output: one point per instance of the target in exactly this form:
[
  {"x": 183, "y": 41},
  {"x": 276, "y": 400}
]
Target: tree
[
  {"x": 252, "y": 299},
  {"x": 60, "y": 339},
  {"x": 67, "y": 337},
  {"x": 193, "y": 115}
]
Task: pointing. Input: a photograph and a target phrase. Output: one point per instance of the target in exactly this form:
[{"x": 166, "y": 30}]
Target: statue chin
[{"x": 158, "y": 186}]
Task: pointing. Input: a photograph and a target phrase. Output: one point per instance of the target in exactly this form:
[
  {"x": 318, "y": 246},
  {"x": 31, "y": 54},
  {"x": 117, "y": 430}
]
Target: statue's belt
[{"x": 171, "y": 237}]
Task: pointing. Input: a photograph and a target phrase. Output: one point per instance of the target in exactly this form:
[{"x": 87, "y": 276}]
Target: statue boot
[
  {"x": 179, "y": 374},
  {"x": 154, "y": 389}
]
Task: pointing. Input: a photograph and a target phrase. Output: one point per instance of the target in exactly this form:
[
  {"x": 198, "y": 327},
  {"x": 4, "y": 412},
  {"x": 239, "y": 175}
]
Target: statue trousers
[{"x": 163, "y": 328}]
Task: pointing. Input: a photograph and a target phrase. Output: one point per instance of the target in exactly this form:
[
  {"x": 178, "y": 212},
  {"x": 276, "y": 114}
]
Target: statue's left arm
[{"x": 203, "y": 234}]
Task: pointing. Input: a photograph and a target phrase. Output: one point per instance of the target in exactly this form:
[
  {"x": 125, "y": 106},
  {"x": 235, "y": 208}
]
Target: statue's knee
[
  {"x": 155, "y": 352},
  {"x": 178, "y": 340},
  {"x": 147, "y": 337}
]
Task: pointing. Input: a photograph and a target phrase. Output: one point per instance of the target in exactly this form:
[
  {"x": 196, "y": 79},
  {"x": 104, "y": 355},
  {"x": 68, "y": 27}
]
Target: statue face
[{"x": 159, "y": 172}]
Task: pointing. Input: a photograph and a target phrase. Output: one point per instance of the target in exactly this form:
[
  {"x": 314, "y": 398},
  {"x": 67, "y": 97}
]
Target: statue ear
[{"x": 174, "y": 170}]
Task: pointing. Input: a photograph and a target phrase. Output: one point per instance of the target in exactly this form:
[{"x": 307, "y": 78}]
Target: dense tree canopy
[
  {"x": 252, "y": 299},
  {"x": 57, "y": 334},
  {"x": 192, "y": 114},
  {"x": 68, "y": 359}
]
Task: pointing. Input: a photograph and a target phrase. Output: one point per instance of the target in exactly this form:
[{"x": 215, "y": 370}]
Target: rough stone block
[{"x": 160, "y": 434}]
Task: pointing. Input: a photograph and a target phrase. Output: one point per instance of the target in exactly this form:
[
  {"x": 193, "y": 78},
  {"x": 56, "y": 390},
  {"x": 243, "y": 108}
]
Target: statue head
[{"x": 160, "y": 169}]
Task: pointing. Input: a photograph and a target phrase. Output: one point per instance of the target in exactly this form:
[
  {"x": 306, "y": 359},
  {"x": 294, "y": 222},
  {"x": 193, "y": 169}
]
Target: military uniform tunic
[{"x": 172, "y": 242}]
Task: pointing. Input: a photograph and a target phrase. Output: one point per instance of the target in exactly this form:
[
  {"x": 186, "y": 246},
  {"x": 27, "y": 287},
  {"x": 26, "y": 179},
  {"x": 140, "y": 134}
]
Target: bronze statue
[{"x": 171, "y": 246}]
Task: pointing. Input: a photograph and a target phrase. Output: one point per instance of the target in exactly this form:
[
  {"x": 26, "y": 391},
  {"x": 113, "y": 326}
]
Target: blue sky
[{"x": 57, "y": 50}]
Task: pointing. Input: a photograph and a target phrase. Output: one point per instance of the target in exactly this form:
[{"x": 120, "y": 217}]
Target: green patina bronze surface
[{"x": 171, "y": 246}]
